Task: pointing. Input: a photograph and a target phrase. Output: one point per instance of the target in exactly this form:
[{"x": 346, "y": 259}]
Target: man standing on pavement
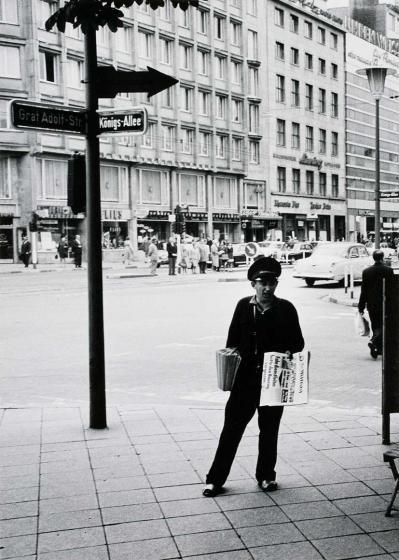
[
  {"x": 77, "y": 251},
  {"x": 26, "y": 250},
  {"x": 171, "y": 248},
  {"x": 153, "y": 256},
  {"x": 371, "y": 296},
  {"x": 261, "y": 323}
]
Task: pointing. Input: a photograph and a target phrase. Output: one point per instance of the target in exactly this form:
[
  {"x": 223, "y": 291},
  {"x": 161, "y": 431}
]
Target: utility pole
[{"x": 98, "y": 415}]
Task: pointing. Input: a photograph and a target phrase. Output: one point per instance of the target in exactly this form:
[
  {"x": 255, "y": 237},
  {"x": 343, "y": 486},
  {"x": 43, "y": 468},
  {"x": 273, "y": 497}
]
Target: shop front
[
  {"x": 196, "y": 223},
  {"x": 115, "y": 230},
  {"x": 54, "y": 222},
  {"x": 8, "y": 249},
  {"x": 156, "y": 223},
  {"x": 227, "y": 227},
  {"x": 259, "y": 226}
]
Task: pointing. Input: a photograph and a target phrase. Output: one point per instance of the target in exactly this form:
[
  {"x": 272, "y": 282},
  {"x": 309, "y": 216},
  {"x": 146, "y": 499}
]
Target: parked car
[
  {"x": 271, "y": 248},
  {"x": 291, "y": 253},
  {"x": 385, "y": 248},
  {"x": 239, "y": 255},
  {"x": 331, "y": 261}
]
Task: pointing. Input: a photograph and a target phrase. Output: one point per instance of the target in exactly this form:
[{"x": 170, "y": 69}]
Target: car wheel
[{"x": 310, "y": 281}]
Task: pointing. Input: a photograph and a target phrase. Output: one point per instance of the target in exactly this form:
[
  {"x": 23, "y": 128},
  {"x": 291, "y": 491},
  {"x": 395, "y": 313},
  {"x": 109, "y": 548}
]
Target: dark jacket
[
  {"x": 63, "y": 249},
  {"x": 277, "y": 329},
  {"x": 26, "y": 248},
  {"x": 171, "y": 249},
  {"x": 371, "y": 291}
]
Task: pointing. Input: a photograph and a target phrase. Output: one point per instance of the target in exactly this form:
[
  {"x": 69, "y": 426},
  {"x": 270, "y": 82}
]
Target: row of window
[
  {"x": 281, "y": 138},
  {"x": 309, "y": 96},
  {"x": 280, "y": 54},
  {"x": 307, "y": 29},
  {"x": 309, "y": 187}
]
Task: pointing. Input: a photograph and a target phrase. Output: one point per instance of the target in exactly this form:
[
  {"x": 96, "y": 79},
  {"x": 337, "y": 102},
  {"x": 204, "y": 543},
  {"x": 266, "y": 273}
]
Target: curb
[{"x": 333, "y": 299}]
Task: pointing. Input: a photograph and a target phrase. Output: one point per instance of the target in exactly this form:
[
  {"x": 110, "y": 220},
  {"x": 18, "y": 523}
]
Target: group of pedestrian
[{"x": 222, "y": 255}]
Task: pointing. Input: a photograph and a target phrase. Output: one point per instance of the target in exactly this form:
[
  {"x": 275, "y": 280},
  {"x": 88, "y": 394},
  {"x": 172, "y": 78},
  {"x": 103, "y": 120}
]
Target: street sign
[
  {"x": 130, "y": 121},
  {"x": 389, "y": 194},
  {"x": 251, "y": 249},
  {"x": 110, "y": 82},
  {"x": 35, "y": 116}
]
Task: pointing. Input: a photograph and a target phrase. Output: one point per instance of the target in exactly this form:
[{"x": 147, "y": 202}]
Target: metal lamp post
[{"x": 376, "y": 77}]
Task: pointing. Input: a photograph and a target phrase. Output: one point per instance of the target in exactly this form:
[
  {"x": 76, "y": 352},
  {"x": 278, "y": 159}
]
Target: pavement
[{"x": 133, "y": 491}]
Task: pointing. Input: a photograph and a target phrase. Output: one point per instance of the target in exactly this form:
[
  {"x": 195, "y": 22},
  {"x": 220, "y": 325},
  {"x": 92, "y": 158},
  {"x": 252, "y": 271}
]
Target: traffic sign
[
  {"x": 251, "y": 249},
  {"x": 46, "y": 117},
  {"x": 110, "y": 81},
  {"x": 131, "y": 121},
  {"x": 389, "y": 194}
]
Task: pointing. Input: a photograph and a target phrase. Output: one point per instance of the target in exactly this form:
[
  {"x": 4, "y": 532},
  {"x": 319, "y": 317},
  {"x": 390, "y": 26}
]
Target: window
[
  {"x": 124, "y": 39},
  {"x": 164, "y": 11},
  {"x": 221, "y": 146},
  {"x": 309, "y": 97},
  {"x": 254, "y": 156},
  {"x": 280, "y": 88},
  {"x": 235, "y": 32},
  {"x": 203, "y": 66},
  {"x": 236, "y": 72},
  {"x": 9, "y": 11},
  {"x": 221, "y": 105},
  {"x": 236, "y": 110},
  {"x": 295, "y": 93},
  {"x": 46, "y": 9},
  {"x": 334, "y": 104},
  {"x": 186, "y": 95},
  {"x": 323, "y": 184},
  {"x": 113, "y": 183},
  {"x": 9, "y": 62},
  {"x": 145, "y": 44},
  {"x": 279, "y": 50},
  {"x": 279, "y": 17},
  {"x": 48, "y": 67},
  {"x": 294, "y": 23},
  {"x": 54, "y": 178},
  {"x": 205, "y": 139},
  {"x": 296, "y": 181},
  {"x": 309, "y": 139},
  {"x": 253, "y": 118},
  {"x": 237, "y": 149},
  {"x": 281, "y": 179},
  {"x": 322, "y": 141},
  {"x": 322, "y": 66},
  {"x": 294, "y": 56},
  {"x": 334, "y": 143},
  {"x": 5, "y": 180},
  {"x": 321, "y": 35},
  {"x": 186, "y": 58},
  {"x": 103, "y": 37},
  {"x": 220, "y": 66},
  {"x": 334, "y": 41},
  {"x": 252, "y": 7},
  {"x": 308, "y": 29},
  {"x": 168, "y": 97},
  {"x": 185, "y": 18},
  {"x": 253, "y": 79},
  {"x": 334, "y": 70},
  {"x": 252, "y": 45},
  {"x": 310, "y": 182},
  {"x": 308, "y": 61},
  {"x": 75, "y": 73},
  {"x": 186, "y": 140},
  {"x": 322, "y": 100},
  {"x": 295, "y": 136},
  {"x": 148, "y": 139},
  {"x": 165, "y": 51},
  {"x": 280, "y": 139},
  {"x": 204, "y": 99},
  {"x": 203, "y": 22},
  {"x": 334, "y": 186},
  {"x": 168, "y": 137},
  {"x": 219, "y": 27}
]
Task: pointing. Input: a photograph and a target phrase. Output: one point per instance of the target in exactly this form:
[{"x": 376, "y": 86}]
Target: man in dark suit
[
  {"x": 261, "y": 323},
  {"x": 26, "y": 250},
  {"x": 171, "y": 248},
  {"x": 371, "y": 297}
]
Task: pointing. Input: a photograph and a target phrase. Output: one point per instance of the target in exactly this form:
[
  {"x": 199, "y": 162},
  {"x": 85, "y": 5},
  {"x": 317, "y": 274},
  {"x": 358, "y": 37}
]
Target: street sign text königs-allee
[
  {"x": 129, "y": 121},
  {"x": 389, "y": 194}
]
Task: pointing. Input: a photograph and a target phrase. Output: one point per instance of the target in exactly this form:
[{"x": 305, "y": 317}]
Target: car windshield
[{"x": 333, "y": 249}]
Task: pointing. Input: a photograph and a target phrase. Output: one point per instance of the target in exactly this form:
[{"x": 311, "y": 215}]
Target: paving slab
[
  {"x": 310, "y": 510},
  {"x": 70, "y": 539},
  {"x": 270, "y": 534},
  {"x": 12, "y": 547},
  {"x": 353, "y": 546},
  {"x": 205, "y": 543},
  {"x": 190, "y": 524},
  {"x": 297, "y": 551},
  {"x": 152, "y": 549},
  {"x": 92, "y": 553},
  {"x": 389, "y": 540},
  {"x": 125, "y": 514}
]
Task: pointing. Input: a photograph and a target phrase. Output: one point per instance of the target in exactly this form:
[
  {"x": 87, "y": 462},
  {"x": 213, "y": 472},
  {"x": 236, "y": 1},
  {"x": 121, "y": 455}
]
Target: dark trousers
[
  {"x": 78, "y": 258},
  {"x": 202, "y": 267},
  {"x": 240, "y": 408},
  {"x": 376, "y": 339},
  {"x": 25, "y": 258},
  {"x": 172, "y": 265}
]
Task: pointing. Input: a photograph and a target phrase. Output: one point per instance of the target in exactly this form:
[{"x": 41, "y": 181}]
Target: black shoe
[
  {"x": 212, "y": 490},
  {"x": 268, "y": 485},
  {"x": 373, "y": 350}
]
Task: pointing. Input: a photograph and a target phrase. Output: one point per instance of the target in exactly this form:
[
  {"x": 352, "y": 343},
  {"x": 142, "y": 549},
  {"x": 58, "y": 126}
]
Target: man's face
[{"x": 265, "y": 289}]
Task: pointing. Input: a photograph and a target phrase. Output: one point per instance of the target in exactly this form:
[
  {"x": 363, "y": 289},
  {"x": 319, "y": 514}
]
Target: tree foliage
[{"x": 92, "y": 14}]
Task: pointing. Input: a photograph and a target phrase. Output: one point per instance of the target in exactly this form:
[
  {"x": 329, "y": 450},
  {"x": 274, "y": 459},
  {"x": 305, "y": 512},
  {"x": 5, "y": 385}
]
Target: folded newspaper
[
  {"x": 227, "y": 362},
  {"x": 285, "y": 381}
]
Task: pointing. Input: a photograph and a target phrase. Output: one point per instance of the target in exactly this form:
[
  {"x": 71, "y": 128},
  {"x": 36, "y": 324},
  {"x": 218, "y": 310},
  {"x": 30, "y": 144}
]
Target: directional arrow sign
[
  {"x": 131, "y": 121},
  {"x": 110, "y": 82},
  {"x": 46, "y": 117},
  {"x": 389, "y": 194}
]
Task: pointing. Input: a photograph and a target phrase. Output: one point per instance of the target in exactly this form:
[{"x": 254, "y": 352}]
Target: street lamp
[{"x": 376, "y": 77}]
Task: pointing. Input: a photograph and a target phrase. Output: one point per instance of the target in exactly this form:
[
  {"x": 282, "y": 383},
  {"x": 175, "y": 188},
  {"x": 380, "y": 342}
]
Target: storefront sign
[
  {"x": 226, "y": 217},
  {"x": 317, "y": 11},
  {"x": 371, "y": 36},
  {"x": 317, "y": 206},
  {"x": 196, "y": 216},
  {"x": 115, "y": 215},
  {"x": 286, "y": 204},
  {"x": 334, "y": 165},
  {"x": 283, "y": 156},
  {"x": 305, "y": 160},
  {"x": 158, "y": 214},
  {"x": 58, "y": 212}
]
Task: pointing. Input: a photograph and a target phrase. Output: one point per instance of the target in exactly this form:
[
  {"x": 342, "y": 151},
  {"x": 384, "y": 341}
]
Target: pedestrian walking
[
  {"x": 230, "y": 255},
  {"x": 371, "y": 296},
  {"x": 223, "y": 255},
  {"x": 153, "y": 256},
  {"x": 171, "y": 248},
  {"x": 184, "y": 259},
  {"x": 261, "y": 323},
  {"x": 127, "y": 251},
  {"x": 215, "y": 255},
  {"x": 26, "y": 251},
  {"x": 194, "y": 255},
  {"x": 63, "y": 249},
  {"x": 77, "y": 251},
  {"x": 203, "y": 256}
]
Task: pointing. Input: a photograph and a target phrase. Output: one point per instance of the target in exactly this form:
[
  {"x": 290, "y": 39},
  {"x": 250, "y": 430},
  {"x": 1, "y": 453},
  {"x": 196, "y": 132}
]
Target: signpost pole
[{"x": 98, "y": 418}]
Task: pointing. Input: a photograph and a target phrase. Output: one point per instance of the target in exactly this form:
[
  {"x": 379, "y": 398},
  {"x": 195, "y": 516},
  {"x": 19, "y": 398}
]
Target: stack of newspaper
[
  {"x": 285, "y": 381},
  {"x": 227, "y": 362}
]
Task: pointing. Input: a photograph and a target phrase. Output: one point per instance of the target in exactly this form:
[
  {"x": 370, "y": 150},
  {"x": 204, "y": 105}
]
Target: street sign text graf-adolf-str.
[{"x": 46, "y": 117}]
